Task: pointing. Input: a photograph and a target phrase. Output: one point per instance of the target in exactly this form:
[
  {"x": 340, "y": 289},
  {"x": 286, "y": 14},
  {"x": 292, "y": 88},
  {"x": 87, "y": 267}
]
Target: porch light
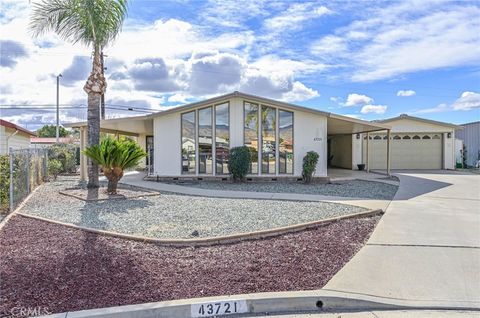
[
  {"x": 449, "y": 135},
  {"x": 358, "y": 136}
]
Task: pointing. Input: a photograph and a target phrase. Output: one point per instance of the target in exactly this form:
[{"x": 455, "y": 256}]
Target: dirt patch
[
  {"x": 101, "y": 194},
  {"x": 65, "y": 269}
]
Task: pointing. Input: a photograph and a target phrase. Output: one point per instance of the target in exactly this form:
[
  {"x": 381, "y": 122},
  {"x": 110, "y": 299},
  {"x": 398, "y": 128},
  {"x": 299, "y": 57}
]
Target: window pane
[
  {"x": 250, "y": 133},
  {"x": 188, "y": 143},
  {"x": 205, "y": 139},
  {"x": 268, "y": 139},
  {"x": 285, "y": 140},
  {"x": 222, "y": 136}
]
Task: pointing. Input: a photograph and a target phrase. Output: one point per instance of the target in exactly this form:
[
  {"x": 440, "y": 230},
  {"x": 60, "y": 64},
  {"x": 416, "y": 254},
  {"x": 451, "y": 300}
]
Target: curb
[
  {"x": 269, "y": 303},
  {"x": 209, "y": 241}
]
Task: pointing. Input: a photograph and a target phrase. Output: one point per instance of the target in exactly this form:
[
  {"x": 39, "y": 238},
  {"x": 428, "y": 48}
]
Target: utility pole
[
  {"x": 102, "y": 101},
  {"x": 58, "y": 108}
]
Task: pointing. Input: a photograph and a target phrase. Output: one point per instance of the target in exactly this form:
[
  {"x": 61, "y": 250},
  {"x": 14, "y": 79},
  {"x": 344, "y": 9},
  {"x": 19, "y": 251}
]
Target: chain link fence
[{"x": 22, "y": 170}]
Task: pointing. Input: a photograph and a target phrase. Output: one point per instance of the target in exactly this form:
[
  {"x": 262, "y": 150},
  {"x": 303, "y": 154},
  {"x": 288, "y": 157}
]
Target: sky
[{"x": 365, "y": 59}]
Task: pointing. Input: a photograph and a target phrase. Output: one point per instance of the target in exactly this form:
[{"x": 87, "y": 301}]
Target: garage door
[{"x": 409, "y": 151}]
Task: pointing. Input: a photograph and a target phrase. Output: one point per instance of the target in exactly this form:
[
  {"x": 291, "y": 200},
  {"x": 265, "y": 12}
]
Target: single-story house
[
  {"x": 470, "y": 135},
  {"x": 48, "y": 141},
  {"x": 193, "y": 140},
  {"x": 13, "y": 136}
]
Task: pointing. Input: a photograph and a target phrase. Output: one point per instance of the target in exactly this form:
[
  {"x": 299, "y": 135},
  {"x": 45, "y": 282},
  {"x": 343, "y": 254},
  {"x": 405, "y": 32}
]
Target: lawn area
[
  {"x": 172, "y": 216},
  {"x": 65, "y": 269}
]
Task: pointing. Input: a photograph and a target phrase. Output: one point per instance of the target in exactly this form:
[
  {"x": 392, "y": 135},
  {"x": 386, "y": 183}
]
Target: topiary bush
[
  {"x": 309, "y": 165},
  {"x": 239, "y": 162}
]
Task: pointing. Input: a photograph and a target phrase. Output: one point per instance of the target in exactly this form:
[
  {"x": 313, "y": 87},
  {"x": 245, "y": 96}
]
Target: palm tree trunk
[{"x": 95, "y": 87}]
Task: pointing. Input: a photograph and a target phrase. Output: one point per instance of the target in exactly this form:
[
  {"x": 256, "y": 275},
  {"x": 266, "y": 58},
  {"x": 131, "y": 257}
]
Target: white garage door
[{"x": 409, "y": 151}]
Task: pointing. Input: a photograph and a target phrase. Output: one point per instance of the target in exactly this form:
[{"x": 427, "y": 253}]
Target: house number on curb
[{"x": 218, "y": 308}]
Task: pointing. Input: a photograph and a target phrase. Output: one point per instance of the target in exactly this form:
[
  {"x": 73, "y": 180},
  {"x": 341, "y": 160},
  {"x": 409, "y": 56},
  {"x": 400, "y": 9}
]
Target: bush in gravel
[
  {"x": 4, "y": 181},
  {"x": 54, "y": 168},
  {"x": 309, "y": 164},
  {"x": 114, "y": 156},
  {"x": 239, "y": 162},
  {"x": 65, "y": 154}
]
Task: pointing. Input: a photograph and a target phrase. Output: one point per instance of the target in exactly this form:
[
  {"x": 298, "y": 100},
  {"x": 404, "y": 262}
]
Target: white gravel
[
  {"x": 176, "y": 216},
  {"x": 351, "y": 189}
]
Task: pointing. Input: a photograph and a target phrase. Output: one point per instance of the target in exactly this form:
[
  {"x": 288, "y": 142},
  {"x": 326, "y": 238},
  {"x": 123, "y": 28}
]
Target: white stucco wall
[
  {"x": 310, "y": 133},
  {"x": 356, "y": 151},
  {"x": 142, "y": 143},
  {"x": 449, "y": 151},
  {"x": 406, "y": 125},
  {"x": 167, "y": 159},
  {"x": 341, "y": 149}
]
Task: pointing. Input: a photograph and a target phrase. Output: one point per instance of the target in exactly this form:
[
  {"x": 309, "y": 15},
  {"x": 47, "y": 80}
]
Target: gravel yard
[
  {"x": 351, "y": 189},
  {"x": 63, "y": 269},
  {"x": 171, "y": 215}
]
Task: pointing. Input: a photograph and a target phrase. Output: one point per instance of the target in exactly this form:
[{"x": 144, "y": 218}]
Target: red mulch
[{"x": 64, "y": 269}]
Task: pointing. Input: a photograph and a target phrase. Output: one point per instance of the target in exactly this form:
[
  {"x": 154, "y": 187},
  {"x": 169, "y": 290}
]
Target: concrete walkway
[
  {"x": 427, "y": 245},
  {"x": 136, "y": 179}
]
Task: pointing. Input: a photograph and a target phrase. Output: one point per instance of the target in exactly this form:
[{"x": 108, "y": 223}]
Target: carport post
[
  {"x": 388, "y": 151},
  {"x": 83, "y": 159},
  {"x": 366, "y": 160}
]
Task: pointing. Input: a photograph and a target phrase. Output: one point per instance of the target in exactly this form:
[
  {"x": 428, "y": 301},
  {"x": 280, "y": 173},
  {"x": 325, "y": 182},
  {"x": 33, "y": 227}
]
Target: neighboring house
[
  {"x": 416, "y": 143},
  {"x": 13, "y": 136},
  {"x": 470, "y": 135},
  {"x": 48, "y": 141},
  {"x": 279, "y": 134}
]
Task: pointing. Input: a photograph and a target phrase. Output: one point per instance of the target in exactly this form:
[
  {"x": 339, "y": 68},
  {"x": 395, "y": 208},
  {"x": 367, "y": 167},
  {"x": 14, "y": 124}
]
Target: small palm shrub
[
  {"x": 309, "y": 165},
  {"x": 114, "y": 156},
  {"x": 239, "y": 162}
]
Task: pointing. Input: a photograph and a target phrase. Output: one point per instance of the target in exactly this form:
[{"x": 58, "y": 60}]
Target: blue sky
[{"x": 366, "y": 59}]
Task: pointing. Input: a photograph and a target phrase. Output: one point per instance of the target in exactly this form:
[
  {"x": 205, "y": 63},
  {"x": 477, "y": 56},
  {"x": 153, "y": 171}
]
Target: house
[
  {"x": 48, "y": 141},
  {"x": 193, "y": 141},
  {"x": 13, "y": 136},
  {"x": 416, "y": 143},
  {"x": 470, "y": 135}
]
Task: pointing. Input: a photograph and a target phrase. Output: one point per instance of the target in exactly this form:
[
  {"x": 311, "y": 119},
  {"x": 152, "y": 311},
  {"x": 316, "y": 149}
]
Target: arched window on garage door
[
  {"x": 426, "y": 137},
  {"x": 436, "y": 137},
  {"x": 416, "y": 137},
  {"x": 377, "y": 137},
  {"x": 406, "y": 137},
  {"x": 397, "y": 137}
]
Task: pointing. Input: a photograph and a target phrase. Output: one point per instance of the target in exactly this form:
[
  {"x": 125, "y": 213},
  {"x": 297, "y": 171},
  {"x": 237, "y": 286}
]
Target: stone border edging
[
  {"x": 318, "y": 301},
  {"x": 209, "y": 241}
]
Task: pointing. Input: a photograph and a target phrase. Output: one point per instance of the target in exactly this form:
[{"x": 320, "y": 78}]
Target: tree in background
[
  {"x": 96, "y": 24},
  {"x": 50, "y": 131}
]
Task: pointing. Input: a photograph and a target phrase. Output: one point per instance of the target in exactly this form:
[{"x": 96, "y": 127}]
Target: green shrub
[
  {"x": 309, "y": 164},
  {"x": 239, "y": 162},
  {"x": 4, "y": 181},
  {"x": 66, "y": 154},
  {"x": 54, "y": 168}
]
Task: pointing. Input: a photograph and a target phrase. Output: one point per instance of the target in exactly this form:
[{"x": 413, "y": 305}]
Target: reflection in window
[
  {"x": 205, "y": 157},
  {"x": 285, "y": 142},
  {"x": 250, "y": 133},
  {"x": 385, "y": 137},
  {"x": 406, "y": 137},
  {"x": 416, "y": 137},
  {"x": 188, "y": 143},
  {"x": 268, "y": 139},
  {"x": 426, "y": 137},
  {"x": 222, "y": 136}
]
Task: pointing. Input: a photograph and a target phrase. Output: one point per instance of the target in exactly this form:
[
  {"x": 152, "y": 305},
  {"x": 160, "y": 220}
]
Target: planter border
[{"x": 210, "y": 241}]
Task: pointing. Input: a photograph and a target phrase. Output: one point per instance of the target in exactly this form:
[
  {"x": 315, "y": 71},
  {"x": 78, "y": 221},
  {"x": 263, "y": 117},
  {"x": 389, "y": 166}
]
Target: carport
[{"x": 345, "y": 141}]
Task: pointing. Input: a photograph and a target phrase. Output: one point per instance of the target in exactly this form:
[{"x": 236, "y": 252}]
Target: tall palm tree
[{"x": 96, "y": 24}]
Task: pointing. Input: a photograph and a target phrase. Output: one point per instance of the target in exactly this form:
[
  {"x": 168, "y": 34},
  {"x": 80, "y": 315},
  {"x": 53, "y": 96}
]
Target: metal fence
[{"x": 28, "y": 169}]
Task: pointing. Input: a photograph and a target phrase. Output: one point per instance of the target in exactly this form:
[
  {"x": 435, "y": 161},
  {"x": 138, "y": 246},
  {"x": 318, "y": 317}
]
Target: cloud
[
  {"x": 152, "y": 74},
  {"x": 357, "y": 100},
  {"x": 293, "y": 17},
  {"x": 77, "y": 71},
  {"x": 376, "y": 109},
  {"x": 402, "y": 38},
  {"x": 10, "y": 52},
  {"x": 406, "y": 93},
  {"x": 467, "y": 101},
  {"x": 440, "y": 108}
]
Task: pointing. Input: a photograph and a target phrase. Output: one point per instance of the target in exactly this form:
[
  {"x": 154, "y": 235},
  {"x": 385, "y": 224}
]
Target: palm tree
[
  {"x": 96, "y": 24},
  {"x": 114, "y": 156}
]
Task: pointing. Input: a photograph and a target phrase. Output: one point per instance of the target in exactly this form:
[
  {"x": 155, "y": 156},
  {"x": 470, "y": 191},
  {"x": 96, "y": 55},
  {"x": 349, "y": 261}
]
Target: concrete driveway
[{"x": 426, "y": 248}]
